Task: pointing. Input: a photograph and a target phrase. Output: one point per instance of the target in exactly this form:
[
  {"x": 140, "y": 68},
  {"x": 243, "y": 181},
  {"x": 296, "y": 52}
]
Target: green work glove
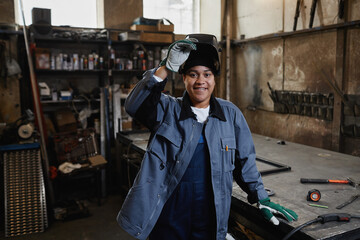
[
  {"x": 267, "y": 208},
  {"x": 177, "y": 54}
]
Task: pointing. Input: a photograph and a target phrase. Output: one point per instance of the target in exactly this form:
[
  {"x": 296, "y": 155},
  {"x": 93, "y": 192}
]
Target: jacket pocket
[
  {"x": 228, "y": 146},
  {"x": 170, "y": 133},
  {"x": 166, "y": 143}
]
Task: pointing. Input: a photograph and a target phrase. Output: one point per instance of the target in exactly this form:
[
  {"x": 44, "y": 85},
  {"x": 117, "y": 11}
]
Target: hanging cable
[
  {"x": 330, "y": 217},
  {"x": 301, "y": 227}
]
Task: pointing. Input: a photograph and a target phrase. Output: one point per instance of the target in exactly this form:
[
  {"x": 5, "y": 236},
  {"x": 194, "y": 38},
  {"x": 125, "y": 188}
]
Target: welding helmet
[{"x": 206, "y": 53}]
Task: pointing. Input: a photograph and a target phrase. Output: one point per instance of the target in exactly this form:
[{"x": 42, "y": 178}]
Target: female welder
[{"x": 198, "y": 144}]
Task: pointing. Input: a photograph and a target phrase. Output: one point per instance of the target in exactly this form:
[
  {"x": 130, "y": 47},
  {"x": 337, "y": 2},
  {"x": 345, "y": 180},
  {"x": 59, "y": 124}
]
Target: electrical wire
[{"x": 301, "y": 226}]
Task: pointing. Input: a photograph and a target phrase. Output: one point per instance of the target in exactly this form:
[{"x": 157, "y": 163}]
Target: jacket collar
[{"x": 215, "y": 108}]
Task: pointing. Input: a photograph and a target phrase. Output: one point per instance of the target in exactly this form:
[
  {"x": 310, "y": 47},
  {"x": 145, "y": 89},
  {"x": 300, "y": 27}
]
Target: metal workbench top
[
  {"x": 310, "y": 162},
  {"x": 305, "y": 162}
]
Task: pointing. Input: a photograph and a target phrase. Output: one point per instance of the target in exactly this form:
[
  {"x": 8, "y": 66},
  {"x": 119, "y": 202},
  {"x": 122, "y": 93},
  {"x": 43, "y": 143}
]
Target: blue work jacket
[{"x": 175, "y": 134}]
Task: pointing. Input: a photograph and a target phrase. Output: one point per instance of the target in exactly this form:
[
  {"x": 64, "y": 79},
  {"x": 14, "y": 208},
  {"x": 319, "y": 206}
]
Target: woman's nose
[{"x": 200, "y": 79}]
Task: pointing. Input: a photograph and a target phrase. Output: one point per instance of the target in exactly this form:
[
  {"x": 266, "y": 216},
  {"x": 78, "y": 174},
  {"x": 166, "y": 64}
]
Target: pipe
[{"x": 228, "y": 28}]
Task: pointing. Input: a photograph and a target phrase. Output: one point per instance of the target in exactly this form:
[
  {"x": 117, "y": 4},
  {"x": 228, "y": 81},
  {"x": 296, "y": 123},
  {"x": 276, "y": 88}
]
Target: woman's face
[{"x": 199, "y": 83}]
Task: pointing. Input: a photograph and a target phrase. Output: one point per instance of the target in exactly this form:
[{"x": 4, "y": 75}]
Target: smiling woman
[{"x": 199, "y": 83}]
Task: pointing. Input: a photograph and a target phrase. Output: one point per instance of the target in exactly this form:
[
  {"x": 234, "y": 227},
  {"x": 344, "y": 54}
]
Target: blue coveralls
[{"x": 190, "y": 213}]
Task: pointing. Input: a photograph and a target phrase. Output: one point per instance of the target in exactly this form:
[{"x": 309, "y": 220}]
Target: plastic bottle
[{"x": 91, "y": 62}]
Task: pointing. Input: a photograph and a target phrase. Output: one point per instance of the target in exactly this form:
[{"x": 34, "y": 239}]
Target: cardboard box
[
  {"x": 153, "y": 28},
  {"x": 65, "y": 121},
  {"x": 126, "y": 125},
  {"x": 97, "y": 160},
  {"x": 156, "y": 37},
  {"x": 150, "y": 28},
  {"x": 152, "y": 37},
  {"x": 129, "y": 36},
  {"x": 165, "y": 28}
]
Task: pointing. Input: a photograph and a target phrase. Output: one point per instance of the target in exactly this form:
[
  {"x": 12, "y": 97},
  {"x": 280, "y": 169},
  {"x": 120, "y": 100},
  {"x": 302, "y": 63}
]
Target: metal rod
[
  {"x": 312, "y": 13},
  {"x": 297, "y": 11},
  {"x": 35, "y": 92},
  {"x": 335, "y": 88},
  {"x": 228, "y": 28},
  {"x": 279, "y": 166},
  {"x": 102, "y": 123}
]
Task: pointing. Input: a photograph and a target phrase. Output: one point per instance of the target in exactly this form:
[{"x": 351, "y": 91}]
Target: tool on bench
[
  {"x": 352, "y": 199},
  {"x": 313, "y": 195},
  {"x": 311, "y": 180}
]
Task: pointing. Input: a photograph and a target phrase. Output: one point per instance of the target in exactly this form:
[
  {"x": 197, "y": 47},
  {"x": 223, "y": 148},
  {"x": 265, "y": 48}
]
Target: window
[
  {"x": 184, "y": 14},
  {"x": 75, "y": 13}
]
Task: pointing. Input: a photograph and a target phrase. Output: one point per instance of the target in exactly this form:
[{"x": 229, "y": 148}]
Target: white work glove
[
  {"x": 268, "y": 208},
  {"x": 229, "y": 237},
  {"x": 178, "y": 53}
]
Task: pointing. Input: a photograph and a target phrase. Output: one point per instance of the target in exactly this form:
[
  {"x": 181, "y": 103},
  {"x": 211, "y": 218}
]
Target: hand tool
[
  {"x": 311, "y": 180},
  {"x": 313, "y": 195},
  {"x": 353, "y": 198}
]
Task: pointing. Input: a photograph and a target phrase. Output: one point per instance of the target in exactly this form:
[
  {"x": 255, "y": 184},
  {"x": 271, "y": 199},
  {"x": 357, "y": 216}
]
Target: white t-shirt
[{"x": 201, "y": 113}]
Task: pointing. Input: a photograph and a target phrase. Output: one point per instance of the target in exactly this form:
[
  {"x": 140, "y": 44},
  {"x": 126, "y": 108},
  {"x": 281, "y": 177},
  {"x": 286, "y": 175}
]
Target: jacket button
[
  {"x": 158, "y": 195},
  {"x": 138, "y": 234},
  {"x": 162, "y": 166},
  {"x": 177, "y": 161}
]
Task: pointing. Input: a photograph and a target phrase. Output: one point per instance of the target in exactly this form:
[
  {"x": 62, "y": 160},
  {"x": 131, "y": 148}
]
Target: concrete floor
[{"x": 101, "y": 225}]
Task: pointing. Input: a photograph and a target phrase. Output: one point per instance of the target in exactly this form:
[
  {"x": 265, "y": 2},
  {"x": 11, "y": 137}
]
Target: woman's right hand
[{"x": 178, "y": 53}]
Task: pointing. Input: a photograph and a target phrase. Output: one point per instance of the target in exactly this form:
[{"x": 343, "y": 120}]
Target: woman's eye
[{"x": 193, "y": 75}]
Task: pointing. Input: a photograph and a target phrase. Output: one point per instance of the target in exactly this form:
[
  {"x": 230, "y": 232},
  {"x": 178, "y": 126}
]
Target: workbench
[{"x": 296, "y": 161}]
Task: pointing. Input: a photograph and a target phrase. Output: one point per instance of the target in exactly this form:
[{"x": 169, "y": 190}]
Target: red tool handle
[{"x": 338, "y": 181}]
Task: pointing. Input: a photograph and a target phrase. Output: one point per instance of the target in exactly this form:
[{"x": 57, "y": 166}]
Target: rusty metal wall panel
[
  {"x": 354, "y": 13},
  {"x": 254, "y": 65},
  {"x": 352, "y": 83},
  {"x": 304, "y": 56},
  {"x": 294, "y": 128},
  {"x": 10, "y": 109}
]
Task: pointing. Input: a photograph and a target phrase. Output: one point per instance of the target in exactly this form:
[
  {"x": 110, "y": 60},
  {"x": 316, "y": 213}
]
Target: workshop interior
[{"x": 70, "y": 152}]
